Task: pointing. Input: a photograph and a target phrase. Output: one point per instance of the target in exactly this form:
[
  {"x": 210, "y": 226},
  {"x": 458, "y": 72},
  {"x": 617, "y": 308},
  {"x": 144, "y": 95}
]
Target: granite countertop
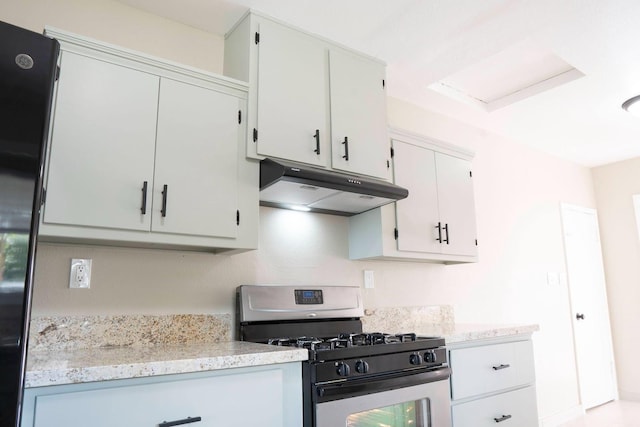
[
  {"x": 461, "y": 332},
  {"x": 47, "y": 368}
]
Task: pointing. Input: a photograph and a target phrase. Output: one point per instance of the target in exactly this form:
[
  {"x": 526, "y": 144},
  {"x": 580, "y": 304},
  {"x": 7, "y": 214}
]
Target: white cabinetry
[
  {"x": 146, "y": 153},
  {"x": 310, "y": 95},
  {"x": 493, "y": 383},
  {"x": 264, "y": 396},
  {"x": 436, "y": 222}
]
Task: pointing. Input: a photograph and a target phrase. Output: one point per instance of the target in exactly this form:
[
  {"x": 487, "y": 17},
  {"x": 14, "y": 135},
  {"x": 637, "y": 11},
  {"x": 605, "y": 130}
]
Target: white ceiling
[{"x": 424, "y": 41}]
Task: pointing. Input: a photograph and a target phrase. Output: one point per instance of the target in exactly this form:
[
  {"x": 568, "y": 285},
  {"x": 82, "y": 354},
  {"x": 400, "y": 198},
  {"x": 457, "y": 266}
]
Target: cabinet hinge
[
  {"x": 43, "y": 197},
  {"x": 255, "y": 135},
  {"x": 392, "y": 152},
  {"x": 239, "y": 116},
  {"x": 257, "y": 38},
  {"x": 237, "y": 217},
  {"x": 57, "y": 72},
  {"x": 395, "y": 233}
]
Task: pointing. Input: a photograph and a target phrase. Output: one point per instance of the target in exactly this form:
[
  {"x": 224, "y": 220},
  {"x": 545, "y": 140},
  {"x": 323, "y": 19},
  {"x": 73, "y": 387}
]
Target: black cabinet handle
[
  {"x": 446, "y": 233},
  {"x": 579, "y": 316},
  {"x": 165, "y": 190},
  {"x": 439, "y": 227},
  {"x": 346, "y": 148},
  {"x": 317, "y": 137},
  {"x": 502, "y": 418},
  {"x": 187, "y": 420},
  {"x": 501, "y": 366},
  {"x": 143, "y": 208}
]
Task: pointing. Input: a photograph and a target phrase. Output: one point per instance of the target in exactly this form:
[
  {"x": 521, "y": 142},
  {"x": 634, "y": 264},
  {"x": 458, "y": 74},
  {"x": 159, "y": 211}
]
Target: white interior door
[{"x": 592, "y": 330}]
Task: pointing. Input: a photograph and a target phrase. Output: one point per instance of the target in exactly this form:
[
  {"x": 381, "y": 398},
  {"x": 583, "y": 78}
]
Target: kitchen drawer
[
  {"x": 490, "y": 368},
  {"x": 228, "y": 400},
  {"x": 513, "y": 409}
]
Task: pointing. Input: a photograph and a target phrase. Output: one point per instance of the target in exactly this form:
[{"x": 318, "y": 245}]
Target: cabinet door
[
  {"x": 513, "y": 409},
  {"x": 197, "y": 161},
  {"x": 103, "y": 140},
  {"x": 219, "y": 401},
  {"x": 455, "y": 199},
  {"x": 358, "y": 113},
  {"x": 292, "y": 95},
  {"x": 417, "y": 215}
]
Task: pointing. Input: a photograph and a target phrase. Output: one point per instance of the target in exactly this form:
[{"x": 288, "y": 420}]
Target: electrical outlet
[{"x": 80, "y": 275}]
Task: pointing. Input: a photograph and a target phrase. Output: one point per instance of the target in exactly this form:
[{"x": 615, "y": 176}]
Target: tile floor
[{"x": 613, "y": 414}]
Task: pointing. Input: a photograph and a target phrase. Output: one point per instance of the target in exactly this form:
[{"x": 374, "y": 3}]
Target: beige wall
[
  {"x": 615, "y": 185},
  {"x": 119, "y": 24},
  {"x": 517, "y": 190}
]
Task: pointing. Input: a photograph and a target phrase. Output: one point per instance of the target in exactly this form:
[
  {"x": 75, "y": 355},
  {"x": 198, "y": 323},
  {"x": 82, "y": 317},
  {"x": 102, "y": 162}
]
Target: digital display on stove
[{"x": 308, "y": 296}]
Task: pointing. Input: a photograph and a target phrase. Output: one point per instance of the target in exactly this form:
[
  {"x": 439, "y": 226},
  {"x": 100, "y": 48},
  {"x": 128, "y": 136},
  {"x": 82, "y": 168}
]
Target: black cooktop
[{"x": 346, "y": 345}]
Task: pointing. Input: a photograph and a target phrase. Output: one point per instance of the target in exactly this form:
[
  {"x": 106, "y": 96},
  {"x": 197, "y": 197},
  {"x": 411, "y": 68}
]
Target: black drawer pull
[
  {"x": 143, "y": 208},
  {"x": 165, "y": 190},
  {"x": 439, "y": 227},
  {"x": 187, "y": 420},
  {"x": 317, "y": 137},
  {"x": 446, "y": 231},
  {"x": 501, "y": 366},
  {"x": 502, "y": 418}
]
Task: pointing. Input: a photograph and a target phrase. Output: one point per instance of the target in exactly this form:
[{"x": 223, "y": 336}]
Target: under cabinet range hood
[{"x": 289, "y": 185}]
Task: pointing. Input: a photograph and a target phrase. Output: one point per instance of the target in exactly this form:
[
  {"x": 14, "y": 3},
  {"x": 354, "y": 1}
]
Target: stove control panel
[
  {"x": 379, "y": 364},
  {"x": 308, "y": 296}
]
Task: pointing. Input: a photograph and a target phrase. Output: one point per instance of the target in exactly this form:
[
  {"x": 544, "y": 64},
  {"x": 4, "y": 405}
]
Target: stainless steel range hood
[{"x": 290, "y": 185}]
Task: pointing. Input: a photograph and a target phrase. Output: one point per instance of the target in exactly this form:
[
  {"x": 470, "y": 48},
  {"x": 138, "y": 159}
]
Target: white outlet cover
[{"x": 80, "y": 273}]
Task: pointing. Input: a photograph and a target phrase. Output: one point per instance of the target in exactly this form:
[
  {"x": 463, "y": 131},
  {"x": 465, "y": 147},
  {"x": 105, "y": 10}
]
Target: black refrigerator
[{"x": 27, "y": 74}]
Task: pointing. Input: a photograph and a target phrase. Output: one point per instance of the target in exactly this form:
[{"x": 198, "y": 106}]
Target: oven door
[{"x": 414, "y": 400}]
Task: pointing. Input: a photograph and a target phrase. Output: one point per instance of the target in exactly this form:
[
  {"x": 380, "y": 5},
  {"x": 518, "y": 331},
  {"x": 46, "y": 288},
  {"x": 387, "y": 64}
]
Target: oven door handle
[{"x": 353, "y": 388}]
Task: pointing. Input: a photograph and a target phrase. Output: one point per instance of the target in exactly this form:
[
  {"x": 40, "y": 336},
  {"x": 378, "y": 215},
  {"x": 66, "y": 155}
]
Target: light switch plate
[
  {"x": 80, "y": 274},
  {"x": 368, "y": 279}
]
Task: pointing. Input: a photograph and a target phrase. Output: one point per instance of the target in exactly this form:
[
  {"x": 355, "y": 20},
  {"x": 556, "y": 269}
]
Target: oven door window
[
  {"x": 424, "y": 405},
  {"x": 407, "y": 414}
]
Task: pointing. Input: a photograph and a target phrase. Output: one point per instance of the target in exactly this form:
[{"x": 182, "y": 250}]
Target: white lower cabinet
[
  {"x": 261, "y": 396},
  {"x": 511, "y": 409},
  {"x": 493, "y": 383}
]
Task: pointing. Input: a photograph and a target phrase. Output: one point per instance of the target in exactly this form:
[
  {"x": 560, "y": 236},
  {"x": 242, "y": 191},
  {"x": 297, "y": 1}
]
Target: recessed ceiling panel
[{"x": 511, "y": 75}]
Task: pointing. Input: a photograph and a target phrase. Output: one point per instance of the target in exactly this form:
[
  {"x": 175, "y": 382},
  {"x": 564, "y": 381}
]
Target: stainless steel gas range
[{"x": 353, "y": 378}]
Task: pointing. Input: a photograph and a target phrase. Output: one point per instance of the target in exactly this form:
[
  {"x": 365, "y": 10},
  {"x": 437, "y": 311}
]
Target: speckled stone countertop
[
  {"x": 462, "y": 332},
  {"x": 47, "y": 368},
  {"x": 436, "y": 321},
  {"x": 87, "y": 348}
]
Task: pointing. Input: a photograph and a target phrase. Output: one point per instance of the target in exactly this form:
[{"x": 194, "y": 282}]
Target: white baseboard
[
  {"x": 556, "y": 420},
  {"x": 629, "y": 395}
]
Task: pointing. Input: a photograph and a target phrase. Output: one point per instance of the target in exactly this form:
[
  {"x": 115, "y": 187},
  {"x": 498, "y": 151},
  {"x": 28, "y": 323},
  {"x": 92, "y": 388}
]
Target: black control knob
[
  {"x": 362, "y": 367},
  {"x": 415, "y": 359},
  {"x": 343, "y": 369},
  {"x": 430, "y": 356}
]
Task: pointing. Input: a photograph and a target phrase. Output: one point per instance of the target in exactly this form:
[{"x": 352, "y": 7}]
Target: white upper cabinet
[
  {"x": 147, "y": 153},
  {"x": 359, "y": 140},
  {"x": 197, "y": 144},
  {"x": 103, "y": 144},
  {"x": 292, "y": 96},
  {"x": 436, "y": 222},
  {"x": 415, "y": 170},
  {"x": 308, "y": 95}
]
